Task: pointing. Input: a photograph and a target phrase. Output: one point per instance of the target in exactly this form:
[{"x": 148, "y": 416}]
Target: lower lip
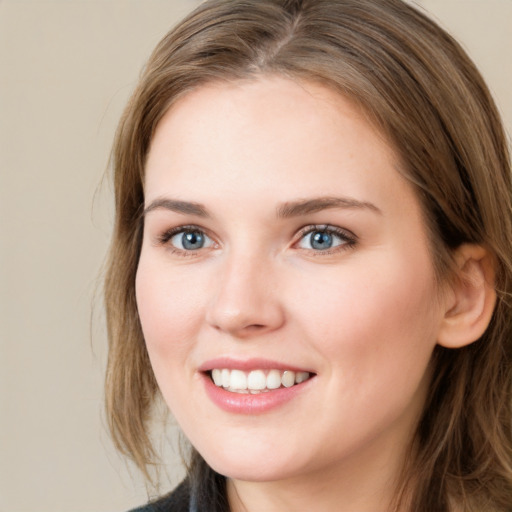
[{"x": 245, "y": 403}]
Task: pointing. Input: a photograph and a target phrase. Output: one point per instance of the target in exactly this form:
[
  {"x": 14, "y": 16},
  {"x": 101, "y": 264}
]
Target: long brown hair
[{"x": 417, "y": 85}]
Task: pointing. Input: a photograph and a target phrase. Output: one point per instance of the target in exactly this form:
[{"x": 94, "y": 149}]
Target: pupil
[
  {"x": 321, "y": 241},
  {"x": 193, "y": 240}
]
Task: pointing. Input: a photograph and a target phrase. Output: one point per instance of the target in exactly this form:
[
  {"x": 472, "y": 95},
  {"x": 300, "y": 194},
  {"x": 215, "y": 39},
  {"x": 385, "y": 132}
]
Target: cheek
[
  {"x": 374, "y": 333},
  {"x": 376, "y": 316},
  {"x": 169, "y": 309}
]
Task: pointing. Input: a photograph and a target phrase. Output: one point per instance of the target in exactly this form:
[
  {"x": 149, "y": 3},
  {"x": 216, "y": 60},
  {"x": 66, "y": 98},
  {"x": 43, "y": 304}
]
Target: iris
[
  {"x": 321, "y": 240},
  {"x": 192, "y": 240}
]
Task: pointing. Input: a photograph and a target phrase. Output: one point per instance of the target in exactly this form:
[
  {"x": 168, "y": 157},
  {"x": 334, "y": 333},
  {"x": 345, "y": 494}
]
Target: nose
[{"x": 246, "y": 302}]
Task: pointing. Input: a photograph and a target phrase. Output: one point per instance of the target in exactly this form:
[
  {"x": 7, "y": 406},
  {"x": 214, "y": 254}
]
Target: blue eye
[
  {"x": 190, "y": 240},
  {"x": 325, "y": 238},
  {"x": 321, "y": 241}
]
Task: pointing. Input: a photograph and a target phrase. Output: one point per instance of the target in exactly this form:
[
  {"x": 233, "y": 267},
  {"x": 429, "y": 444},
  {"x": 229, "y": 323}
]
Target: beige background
[{"x": 66, "y": 69}]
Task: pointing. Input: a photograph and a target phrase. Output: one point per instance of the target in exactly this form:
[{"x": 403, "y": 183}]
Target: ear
[{"x": 470, "y": 298}]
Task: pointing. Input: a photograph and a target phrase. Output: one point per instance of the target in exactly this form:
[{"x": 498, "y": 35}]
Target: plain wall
[{"x": 66, "y": 70}]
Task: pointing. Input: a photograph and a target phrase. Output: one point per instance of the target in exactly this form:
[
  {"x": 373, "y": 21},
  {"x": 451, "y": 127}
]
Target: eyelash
[
  {"x": 166, "y": 237},
  {"x": 348, "y": 239}
]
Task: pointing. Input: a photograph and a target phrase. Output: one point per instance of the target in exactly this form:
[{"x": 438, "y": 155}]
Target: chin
[{"x": 250, "y": 469}]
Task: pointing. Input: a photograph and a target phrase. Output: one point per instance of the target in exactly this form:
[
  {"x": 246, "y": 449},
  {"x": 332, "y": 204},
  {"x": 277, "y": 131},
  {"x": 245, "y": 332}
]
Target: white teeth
[
  {"x": 274, "y": 379},
  {"x": 301, "y": 377},
  {"x": 238, "y": 380},
  {"x": 226, "y": 378},
  {"x": 217, "y": 377},
  {"x": 288, "y": 379},
  {"x": 256, "y": 381}
]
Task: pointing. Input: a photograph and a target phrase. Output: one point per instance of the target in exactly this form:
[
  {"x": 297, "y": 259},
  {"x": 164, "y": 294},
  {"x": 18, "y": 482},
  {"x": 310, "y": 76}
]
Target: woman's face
[{"x": 283, "y": 250}]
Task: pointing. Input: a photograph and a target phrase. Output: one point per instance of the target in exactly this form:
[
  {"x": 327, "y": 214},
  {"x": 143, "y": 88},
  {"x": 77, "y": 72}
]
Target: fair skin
[{"x": 279, "y": 234}]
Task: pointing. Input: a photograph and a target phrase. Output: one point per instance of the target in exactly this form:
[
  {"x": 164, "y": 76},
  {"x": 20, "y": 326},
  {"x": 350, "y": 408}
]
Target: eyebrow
[
  {"x": 185, "y": 207},
  {"x": 284, "y": 211},
  {"x": 308, "y": 206}
]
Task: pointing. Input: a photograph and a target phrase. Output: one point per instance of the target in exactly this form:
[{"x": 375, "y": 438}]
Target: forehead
[
  {"x": 242, "y": 100},
  {"x": 269, "y": 136}
]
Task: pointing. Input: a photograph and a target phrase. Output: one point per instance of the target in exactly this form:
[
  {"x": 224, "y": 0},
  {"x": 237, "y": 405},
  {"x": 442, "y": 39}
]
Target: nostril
[{"x": 255, "y": 327}]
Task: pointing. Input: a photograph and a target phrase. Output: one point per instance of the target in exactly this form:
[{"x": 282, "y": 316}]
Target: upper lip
[{"x": 248, "y": 365}]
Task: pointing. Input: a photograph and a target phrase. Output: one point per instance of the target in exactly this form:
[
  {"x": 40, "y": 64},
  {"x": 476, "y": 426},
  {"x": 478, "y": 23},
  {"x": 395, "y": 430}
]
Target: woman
[{"x": 311, "y": 262}]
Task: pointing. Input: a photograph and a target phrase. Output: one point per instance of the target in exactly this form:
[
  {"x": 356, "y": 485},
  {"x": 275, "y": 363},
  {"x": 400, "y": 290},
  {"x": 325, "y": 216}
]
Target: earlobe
[{"x": 472, "y": 298}]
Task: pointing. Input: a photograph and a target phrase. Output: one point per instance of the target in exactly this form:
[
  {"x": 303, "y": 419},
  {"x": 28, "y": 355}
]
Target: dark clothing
[
  {"x": 179, "y": 500},
  {"x": 203, "y": 490}
]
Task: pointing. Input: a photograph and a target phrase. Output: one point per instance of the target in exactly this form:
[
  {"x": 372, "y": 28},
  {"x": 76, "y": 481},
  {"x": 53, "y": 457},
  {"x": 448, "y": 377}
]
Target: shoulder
[{"x": 177, "y": 501}]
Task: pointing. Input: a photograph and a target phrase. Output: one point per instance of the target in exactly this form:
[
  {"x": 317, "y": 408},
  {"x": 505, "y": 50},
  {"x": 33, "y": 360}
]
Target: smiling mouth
[{"x": 256, "y": 381}]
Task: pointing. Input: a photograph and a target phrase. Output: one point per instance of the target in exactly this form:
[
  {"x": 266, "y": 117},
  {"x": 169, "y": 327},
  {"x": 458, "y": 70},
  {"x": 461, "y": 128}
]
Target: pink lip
[
  {"x": 248, "y": 365},
  {"x": 242, "y": 403}
]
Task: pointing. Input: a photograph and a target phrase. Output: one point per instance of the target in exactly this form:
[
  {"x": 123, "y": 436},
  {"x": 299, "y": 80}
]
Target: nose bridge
[{"x": 245, "y": 301}]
